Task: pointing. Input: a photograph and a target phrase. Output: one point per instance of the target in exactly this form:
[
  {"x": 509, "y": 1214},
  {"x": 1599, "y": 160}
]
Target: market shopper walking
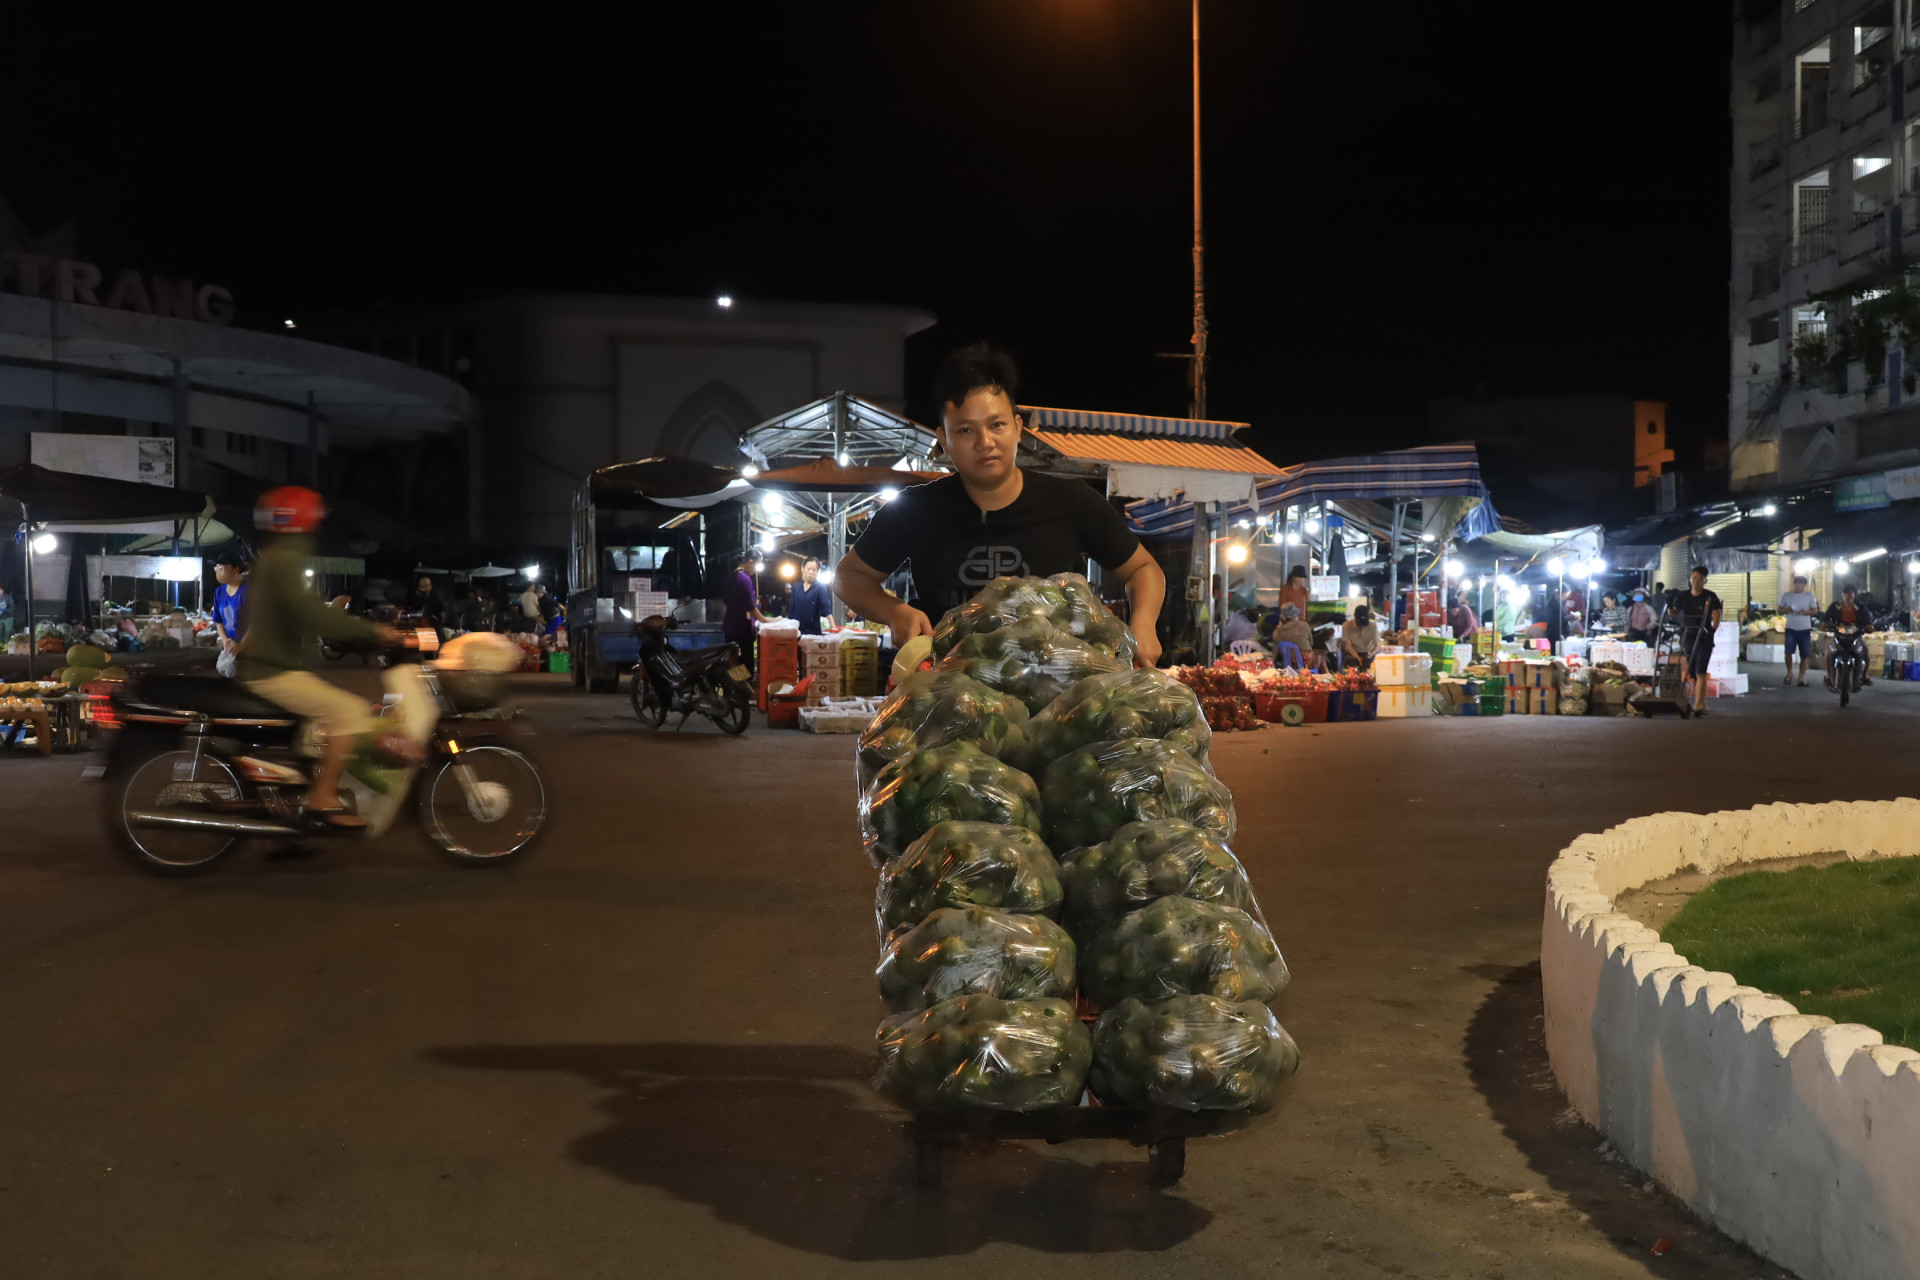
[
  {"x": 1799, "y": 606},
  {"x": 1699, "y": 611},
  {"x": 990, "y": 519},
  {"x": 229, "y": 609}
]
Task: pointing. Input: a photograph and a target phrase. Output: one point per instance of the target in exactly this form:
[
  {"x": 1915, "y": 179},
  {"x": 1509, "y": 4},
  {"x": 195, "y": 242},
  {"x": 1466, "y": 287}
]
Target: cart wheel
[
  {"x": 927, "y": 1163},
  {"x": 1292, "y": 713},
  {"x": 1167, "y": 1162}
]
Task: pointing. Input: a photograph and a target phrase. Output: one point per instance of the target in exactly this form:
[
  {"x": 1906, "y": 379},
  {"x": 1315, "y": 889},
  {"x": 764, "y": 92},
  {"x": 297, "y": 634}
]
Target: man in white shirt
[{"x": 1799, "y": 606}]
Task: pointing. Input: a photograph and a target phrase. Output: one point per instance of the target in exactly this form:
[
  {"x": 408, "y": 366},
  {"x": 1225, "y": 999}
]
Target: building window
[
  {"x": 1811, "y": 71},
  {"x": 1759, "y": 330},
  {"x": 1766, "y": 84},
  {"x": 1766, "y": 277},
  {"x": 199, "y": 437},
  {"x": 1812, "y": 229},
  {"x": 1809, "y": 321},
  {"x": 1872, "y": 45}
]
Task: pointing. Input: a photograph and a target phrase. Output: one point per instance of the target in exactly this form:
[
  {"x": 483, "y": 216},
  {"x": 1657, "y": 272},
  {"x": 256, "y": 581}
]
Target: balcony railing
[{"x": 1815, "y": 241}]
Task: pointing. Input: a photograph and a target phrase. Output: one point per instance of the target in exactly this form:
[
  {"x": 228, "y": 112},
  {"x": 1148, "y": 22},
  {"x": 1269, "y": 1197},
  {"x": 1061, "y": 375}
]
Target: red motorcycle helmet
[{"x": 289, "y": 509}]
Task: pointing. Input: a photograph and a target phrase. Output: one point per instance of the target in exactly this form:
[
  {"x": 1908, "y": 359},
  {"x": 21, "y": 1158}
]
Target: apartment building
[{"x": 1826, "y": 226}]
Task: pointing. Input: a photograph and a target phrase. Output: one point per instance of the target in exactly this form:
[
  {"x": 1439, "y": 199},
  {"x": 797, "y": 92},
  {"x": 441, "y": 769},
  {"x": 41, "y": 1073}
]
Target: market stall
[{"x": 53, "y": 501}]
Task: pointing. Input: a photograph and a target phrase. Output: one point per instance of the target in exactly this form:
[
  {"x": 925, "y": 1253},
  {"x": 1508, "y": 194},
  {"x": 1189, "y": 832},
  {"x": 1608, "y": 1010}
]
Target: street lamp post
[{"x": 1198, "y": 409}]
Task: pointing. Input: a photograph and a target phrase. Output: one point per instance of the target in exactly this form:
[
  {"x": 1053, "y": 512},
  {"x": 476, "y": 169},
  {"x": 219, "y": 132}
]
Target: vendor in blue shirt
[
  {"x": 229, "y": 604},
  {"x": 811, "y": 602}
]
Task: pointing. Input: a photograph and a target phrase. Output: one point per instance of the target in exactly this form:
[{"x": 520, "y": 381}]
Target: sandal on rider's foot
[{"x": 335, "y": 819}]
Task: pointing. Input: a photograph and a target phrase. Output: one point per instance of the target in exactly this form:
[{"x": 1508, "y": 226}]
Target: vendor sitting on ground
[
  {"x": 1293, "y": 630},
  {"x": 1359, "y": 639}
]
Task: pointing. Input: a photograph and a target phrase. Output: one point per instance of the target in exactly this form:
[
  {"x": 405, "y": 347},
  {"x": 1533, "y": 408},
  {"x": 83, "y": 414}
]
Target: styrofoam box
[
  {"x": 1403, "y": 670},
  {"x": 1573, "y": 646},
  {"x": 1401, "y": 702},
  {"x": 1766, "y": 653},
  {"x": 1726, "y": 686},
  {"x": 1637, "y": 659}
]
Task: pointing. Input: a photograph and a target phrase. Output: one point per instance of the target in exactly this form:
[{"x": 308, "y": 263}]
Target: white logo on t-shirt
[{"x": 984, "y": 564}]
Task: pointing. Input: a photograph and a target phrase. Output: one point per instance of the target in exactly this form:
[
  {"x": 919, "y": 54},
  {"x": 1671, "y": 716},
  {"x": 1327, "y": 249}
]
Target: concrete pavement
[{"x": 644, "y": 1050}]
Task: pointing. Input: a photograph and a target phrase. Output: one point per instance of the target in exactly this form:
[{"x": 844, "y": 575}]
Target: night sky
[{"x": 1403, "y": 200}]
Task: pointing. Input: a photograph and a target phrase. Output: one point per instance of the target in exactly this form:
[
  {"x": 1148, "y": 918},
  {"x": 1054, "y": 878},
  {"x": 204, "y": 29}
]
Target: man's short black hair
[
  {"x": 972, "y": 367},
  {"x": 1700, "y": 568}
]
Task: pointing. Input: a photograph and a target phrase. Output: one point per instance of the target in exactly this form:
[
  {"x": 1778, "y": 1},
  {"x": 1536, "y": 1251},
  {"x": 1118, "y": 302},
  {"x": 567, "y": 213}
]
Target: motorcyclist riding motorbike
[
  {"x": 284, "y": 612},
  {"x": 1847, "y": 609}
]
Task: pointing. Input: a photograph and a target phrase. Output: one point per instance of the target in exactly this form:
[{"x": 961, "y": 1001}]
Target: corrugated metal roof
[
  {"x": 1156, "y": 451},
  {"x": 1128, "y": 424}
]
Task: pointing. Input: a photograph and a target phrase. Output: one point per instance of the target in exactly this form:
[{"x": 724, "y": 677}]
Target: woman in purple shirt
[{"x": 743, "y": 609}]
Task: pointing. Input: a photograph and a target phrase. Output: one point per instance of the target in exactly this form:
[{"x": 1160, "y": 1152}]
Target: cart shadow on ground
[
  {"x": 787, "y": 1142},
  {"x": 1506, "y": 1054}
]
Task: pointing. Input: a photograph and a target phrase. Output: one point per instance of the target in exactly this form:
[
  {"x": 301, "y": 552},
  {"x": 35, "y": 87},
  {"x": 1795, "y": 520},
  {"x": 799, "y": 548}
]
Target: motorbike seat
[
  {"x": 211, "y": 695},
  {"x": 699, "y": 657}
]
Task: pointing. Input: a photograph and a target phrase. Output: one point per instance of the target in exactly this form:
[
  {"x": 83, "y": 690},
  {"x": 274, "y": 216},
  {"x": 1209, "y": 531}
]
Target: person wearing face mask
[
  {"x": 1641, "y": 618},
  {"x": 1359, "y": 639}
]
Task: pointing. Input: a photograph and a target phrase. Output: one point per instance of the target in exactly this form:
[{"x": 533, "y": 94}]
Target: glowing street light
[
  {"x": 531, "y": 571},
  {"x": 1556, "y": 566},
  {"x": 786, "y": 569},
  {"x": 1768, "y": 510},
  {"x": 1806, "y": 565},
  {"x": 772, "y": 501},
  {"x": 1454, "y": 568},
  {"x": 1236, "y": 553},
  {"x": 724, "y": 301},
  {"x": 749, "y": 471},
  {"x": 889, "y": 493},
  {"x": 44, "y": 543}
]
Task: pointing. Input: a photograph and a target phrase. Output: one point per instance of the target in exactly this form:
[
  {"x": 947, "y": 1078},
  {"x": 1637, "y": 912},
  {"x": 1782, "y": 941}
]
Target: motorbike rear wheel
[
  {"x": 647, "y": 706},
  {"x": 173, "y": 780},
  {"x": 493, "y": 814},
  {"x": 737, "y": 704}
]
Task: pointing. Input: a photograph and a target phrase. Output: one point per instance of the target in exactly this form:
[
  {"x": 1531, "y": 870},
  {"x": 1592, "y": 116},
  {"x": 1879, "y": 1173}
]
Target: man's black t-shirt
[
  {"x": 955, "y": 548},
  {"x": 1696, "y": 610}
]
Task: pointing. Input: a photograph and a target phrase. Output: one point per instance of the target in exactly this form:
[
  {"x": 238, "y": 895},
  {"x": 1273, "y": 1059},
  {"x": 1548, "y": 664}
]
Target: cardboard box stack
[
  {"x": 1533, "y": 687},
  {"x": 820, "y": 659},
  {"x": 859, "y": 664},
  {"x": 1405, "y": 681}
]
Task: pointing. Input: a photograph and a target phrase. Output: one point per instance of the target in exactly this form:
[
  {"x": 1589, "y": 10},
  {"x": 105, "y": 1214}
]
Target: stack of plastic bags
[{"x": 1036, "y": 738}]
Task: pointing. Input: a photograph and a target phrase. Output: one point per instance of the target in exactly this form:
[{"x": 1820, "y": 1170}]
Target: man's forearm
[
  {"x": 1146, "y": 592},
  {"x": 864, "y": 596}
]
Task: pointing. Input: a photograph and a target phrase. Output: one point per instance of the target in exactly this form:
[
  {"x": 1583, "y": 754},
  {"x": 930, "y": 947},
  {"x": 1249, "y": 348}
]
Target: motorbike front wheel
[
  {"x": 177, "y": 781},
  {"x": 647, "y": 706},
  {"x": 485, "y": 805}
]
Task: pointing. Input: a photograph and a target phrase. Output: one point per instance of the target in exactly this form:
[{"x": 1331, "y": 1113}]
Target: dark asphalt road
[{"x": 643, "y": 1051}]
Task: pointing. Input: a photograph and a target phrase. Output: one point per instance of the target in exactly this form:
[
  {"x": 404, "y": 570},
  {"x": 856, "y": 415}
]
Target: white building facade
[
  {"x": 1825, "y": 218},
  {"x": 566, "y": 383}
]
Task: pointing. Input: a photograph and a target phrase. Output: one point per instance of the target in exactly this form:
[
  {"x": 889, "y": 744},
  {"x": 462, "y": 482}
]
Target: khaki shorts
[{"x": 338, "y": 713}]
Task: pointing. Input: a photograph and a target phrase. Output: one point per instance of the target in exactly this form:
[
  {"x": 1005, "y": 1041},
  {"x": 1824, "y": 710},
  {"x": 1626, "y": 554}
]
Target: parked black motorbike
[
  {"x": 712, "y": 682},
  {"x": 1846, "y": 660},
  {"x": 198, "y": 765}
]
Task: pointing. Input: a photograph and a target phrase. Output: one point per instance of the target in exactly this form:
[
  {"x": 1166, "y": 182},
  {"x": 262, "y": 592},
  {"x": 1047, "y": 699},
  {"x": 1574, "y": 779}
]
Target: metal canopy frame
[
  {"x": 857, "y": 433},
  {"x": 843, "y": 426}
]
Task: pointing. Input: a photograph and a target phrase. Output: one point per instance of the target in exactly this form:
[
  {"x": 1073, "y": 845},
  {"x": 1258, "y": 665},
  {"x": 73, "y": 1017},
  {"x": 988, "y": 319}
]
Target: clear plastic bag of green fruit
[
  {"x": 1092, "y": 792},
  {"x": 1032, "y": 659},
  {"x": 968, "y": 864},
  {"x": 982, "y": 1052},
  {"x": 955, "y": 782},
  {"x": 1115, "y": 705},
  {"x": 959, "y": 951},
  {"x": 1179, "y": 947},
  {"x": 1066, "y": 600},
  {"x": 1191, "y": 1053},
  {"x": 1145, "y": 861},
  {"x": 933, "y": 708}
]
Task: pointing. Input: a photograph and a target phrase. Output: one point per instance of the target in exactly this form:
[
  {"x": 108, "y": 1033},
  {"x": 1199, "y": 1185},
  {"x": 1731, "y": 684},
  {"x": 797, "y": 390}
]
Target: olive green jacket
[{"x": 283, "y": 611}]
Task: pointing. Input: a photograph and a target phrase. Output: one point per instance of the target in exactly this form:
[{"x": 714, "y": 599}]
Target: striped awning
[
  {"x": 1130, "y": 424},
  {"x": 1149, "y": 467}
]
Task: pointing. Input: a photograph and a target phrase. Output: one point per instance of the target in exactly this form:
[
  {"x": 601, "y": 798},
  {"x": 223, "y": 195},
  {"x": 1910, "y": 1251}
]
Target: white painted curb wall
[{"x": 1794, "y": 1134}]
